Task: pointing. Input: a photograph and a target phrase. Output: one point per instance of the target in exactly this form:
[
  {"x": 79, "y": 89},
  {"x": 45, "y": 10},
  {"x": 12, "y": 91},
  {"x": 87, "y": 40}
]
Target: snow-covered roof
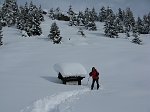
[{"x": 70, "y": 69}]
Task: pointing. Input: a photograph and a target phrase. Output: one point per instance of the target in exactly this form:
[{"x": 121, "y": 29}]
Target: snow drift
[{"x": 69, "y": 69}]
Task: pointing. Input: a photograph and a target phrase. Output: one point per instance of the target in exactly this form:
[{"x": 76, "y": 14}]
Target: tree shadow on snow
[{"x": 52, "y": 79}]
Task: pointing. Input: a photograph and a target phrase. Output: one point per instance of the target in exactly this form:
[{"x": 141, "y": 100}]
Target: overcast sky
[{"x": 140, "y": 7}]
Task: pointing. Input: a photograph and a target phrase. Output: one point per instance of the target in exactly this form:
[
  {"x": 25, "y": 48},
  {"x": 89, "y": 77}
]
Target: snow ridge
[{"x": 53, "y": 103}]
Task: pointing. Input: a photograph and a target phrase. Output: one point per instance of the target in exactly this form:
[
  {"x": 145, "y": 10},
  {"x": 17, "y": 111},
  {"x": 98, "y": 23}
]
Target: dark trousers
[{"x": 92, "y": 86}]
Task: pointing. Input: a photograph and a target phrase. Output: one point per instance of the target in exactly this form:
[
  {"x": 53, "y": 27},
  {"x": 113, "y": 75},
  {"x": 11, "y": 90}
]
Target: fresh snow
[
  {"x": 70, "y": 69},
  {"x": 55, "y": 103},
  {"x": 28, "y": 82}
]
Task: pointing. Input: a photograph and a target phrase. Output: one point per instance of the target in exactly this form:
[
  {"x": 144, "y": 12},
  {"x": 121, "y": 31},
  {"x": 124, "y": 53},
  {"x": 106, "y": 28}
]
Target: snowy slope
[{"x": 28, "y": 82}]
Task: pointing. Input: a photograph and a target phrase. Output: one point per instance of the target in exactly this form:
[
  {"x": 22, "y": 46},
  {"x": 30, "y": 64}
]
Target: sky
[{"x": 140, "y": 7}]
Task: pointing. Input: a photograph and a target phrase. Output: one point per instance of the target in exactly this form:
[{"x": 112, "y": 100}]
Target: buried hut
[{"x": 70, "y": 73}]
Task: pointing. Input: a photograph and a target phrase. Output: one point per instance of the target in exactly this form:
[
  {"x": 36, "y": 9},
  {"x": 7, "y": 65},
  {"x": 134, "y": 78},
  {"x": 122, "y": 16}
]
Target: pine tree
[
  {"x": 10, "y": 12},
  {"x": 102, "y": 14},
  {"x": 55, "y": 34},
  {"x": 72, "y": 15},
  {"x": 119, "y": 25},
  {"x": 93, "y": 15},
  {"x": 80, "y": 19},
  {"x": 30, "y": 19},
  {"x": 136, "y": 39},
  {"x": 51, "y": 14},
  {"x": 109, "y": 12},
  {"x": 1, "y": 36},
  {"x": 129, "y": 20},
  {"x": 70, "y": 11},
  {"x": 57, "y": 13},
  {"x": 120, "y": 14},
  {"x": 140, "y": 25},
  {"x": 92, "y": 26},
  {"x": 146, "y": 22},
  {"x": 110, "y": 27},
  {"x": 86, "y": 17},
  {"x": 40, "y": 13}
]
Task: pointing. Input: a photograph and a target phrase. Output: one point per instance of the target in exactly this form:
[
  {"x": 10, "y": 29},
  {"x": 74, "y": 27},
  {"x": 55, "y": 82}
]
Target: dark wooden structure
[{"x": 72, "y": 78}]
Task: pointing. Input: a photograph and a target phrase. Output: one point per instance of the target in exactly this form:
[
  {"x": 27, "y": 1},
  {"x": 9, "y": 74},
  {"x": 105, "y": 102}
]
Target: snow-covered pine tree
[
  {"x": 40, "y": 13},
  {"x": 80, "y": 19},
  {"x": 120, "y": 14},
  {"x": 127, "y": 32},
  {"x": 10, "y": 12},
  {"x": 1, "y": 36},
  {"x": 86, "y": 17},
  {"x": 55, "y": 34},
  {"x": 30, "y": 19},
  {"x": 93, "y": 15},
  {"x": 102, "y": 14},
  {"x": 21, "y": 19},
  {"x": 146, "y": 22},
  {"x": 72, "y": 17},
  {"x": 92, "y": 26},
  {"x": 111, "y": 27},
  {"x": 129, "y": 20},
  {"x": 140, "y": 25},
  {"x": 70, "y": 11},
  {"x": 135, "y": 34},
  {"x": 109, "y": 12},
  {"x": 51, "y": 14},
  {"x": 119, "y": 25},
  {"x": 57, "y": 13}
]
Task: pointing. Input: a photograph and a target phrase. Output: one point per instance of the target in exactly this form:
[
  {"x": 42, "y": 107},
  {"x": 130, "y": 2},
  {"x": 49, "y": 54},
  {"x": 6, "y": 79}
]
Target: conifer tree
[
  {"x": 72, "y": 15},
  {"x": 80, "y": 19},
  {"x": 86, "y": 17},
  {"x": 40, "y": 13},
  {"x": 111, "y": 27},
  {"x": 57, "y": 13},
  {"x": 70, "y": 11},
  {"x": 136, "y": 39},
  {"x": 55, "y": 34},
  {"x": 51, "y": 14},
  {"x": 102, "y": 14},
  {"x": 94, "y": 16},
  {"x": 140, "y": 25},
  {"x": 92, "y": 26},
  {"x": 1, "y": 36},
  {"x": 146, "y": 22},
  {"x": 119, "y": 25},
  {"x": 120, "y": 14},
  {"x": 29, "y": 19},
  {"x": 129, "y": 20},
  {"x": 10, "y": 12}
]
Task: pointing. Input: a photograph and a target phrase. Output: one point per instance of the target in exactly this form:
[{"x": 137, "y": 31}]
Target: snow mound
[{"x": 70, "y": 69}]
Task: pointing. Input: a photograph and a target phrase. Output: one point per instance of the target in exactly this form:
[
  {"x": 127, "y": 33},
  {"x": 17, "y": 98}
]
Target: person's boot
[
  {"x": 97, "y": 86},
  {"x": 92, "y": 87}
]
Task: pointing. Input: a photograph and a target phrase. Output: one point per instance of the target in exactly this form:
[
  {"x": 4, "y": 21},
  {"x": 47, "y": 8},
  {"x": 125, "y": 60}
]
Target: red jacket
[{"x": 95, "y": 74}]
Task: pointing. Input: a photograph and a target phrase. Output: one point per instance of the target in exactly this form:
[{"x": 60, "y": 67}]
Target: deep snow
[
  {"x": 70, "y": 69},
  {"x": 28, "y": 80}
]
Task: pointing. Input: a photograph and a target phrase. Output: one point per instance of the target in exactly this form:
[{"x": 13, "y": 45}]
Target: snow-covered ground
[{"x": 28, "y": 82}]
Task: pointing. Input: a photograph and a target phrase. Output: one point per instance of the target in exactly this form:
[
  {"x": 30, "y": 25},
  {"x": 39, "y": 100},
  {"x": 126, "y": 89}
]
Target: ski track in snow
[{"x": 54, "y": 102}]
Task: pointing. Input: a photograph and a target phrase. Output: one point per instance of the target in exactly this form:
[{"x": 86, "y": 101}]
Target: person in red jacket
[{"x": 95, "y": 76}]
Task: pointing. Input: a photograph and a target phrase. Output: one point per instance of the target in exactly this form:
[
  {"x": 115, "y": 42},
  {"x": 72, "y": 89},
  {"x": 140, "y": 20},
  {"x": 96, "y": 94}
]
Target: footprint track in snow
[{"x": 54, "y": 102}]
